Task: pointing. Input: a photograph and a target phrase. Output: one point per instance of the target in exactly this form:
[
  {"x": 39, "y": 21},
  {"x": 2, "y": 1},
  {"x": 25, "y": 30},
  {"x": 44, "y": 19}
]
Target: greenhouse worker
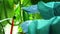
[{"x": 50, "y": 24}]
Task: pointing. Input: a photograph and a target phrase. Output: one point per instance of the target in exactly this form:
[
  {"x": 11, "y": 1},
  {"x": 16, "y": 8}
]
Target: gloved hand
[
  {"x": 47, "y": 10},
  {"x": 36, "y": 27},
  {"x": 42, "y": 26}
]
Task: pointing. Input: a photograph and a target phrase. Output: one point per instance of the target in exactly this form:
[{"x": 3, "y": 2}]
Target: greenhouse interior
[{"x": 29, "y": 17}]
